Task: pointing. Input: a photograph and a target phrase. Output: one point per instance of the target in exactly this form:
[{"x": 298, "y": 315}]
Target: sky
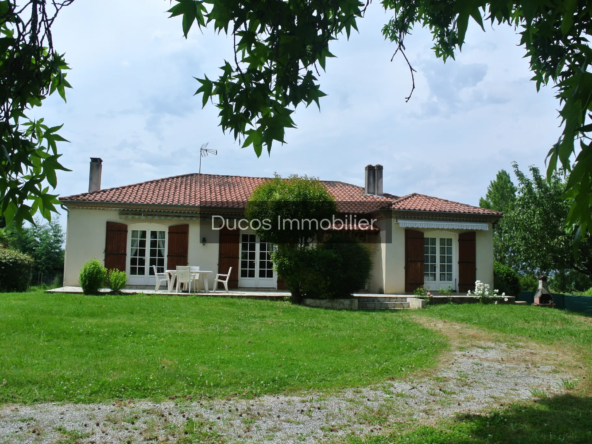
[{"x": 133, "y": 105}]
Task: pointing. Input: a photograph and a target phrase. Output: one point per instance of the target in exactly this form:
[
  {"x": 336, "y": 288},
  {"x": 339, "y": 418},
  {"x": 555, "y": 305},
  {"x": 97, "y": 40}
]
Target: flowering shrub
[
  {"x": 422, "y": 293},
  {"x": 484, "y": 294}
]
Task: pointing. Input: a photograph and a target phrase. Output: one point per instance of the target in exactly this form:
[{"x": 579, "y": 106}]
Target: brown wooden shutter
[
  {"x": 281, "y": 284},
  {"x": 467, "y": 263},
  {"x": 414, "y": 258},
  {"x": 178, "y": 246},
  {"x": 228, "y": 253},
  {"x": 116, "y": 246}
]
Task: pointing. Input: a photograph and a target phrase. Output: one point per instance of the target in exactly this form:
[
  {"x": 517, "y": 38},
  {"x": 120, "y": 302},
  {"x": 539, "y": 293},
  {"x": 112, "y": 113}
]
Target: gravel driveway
[{"x": 475, "y": 375}]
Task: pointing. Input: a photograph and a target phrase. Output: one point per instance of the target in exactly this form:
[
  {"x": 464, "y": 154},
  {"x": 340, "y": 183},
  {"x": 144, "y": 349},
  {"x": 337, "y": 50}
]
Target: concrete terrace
[{"x": 241, "y": 292}]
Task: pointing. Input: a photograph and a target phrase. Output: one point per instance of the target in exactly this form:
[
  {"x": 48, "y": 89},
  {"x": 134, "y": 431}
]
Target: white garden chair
[
  {"x": 184, "y": 277},
  {"x": 195, "y": 276},
  {"x": 160, "y": 277},
  {"x": 224, "y": 281}
]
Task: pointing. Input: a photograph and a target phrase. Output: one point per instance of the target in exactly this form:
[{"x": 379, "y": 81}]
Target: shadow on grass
[{"x": 560, "y": 419}]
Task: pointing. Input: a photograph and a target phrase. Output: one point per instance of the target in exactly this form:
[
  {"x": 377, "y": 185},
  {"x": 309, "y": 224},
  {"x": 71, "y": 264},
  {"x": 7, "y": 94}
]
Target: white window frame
[
  {"x": 254, "y": 282},
  {"x": 146, "y": 279},
  {"x": 437, "y": 284}
]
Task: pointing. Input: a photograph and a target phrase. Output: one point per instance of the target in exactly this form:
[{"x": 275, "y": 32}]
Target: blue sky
[{"x": 132, "y": 104}]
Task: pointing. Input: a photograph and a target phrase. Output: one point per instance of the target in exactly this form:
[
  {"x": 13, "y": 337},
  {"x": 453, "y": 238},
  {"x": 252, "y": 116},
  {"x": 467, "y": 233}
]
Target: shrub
[
  {"x": 506, "y": 280},
  {"x": 351, "y": 268},
  {"x": 303, "y": 271},
  {"x": 420, "y": 292},
  {"x": 446, "y": 291},
  {"x": 528, "y": 283},
  {"x": 15, "y": 270},
  {"x": 334, "y": 269},
  {"x": 92, "y": 276},
  {"x": 116, "y": 280}
]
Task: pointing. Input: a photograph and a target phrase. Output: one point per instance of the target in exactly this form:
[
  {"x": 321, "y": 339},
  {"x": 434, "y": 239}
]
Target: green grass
[
  {"x": 76, "y": 348},
  {"x": 545, "y": 325},
  {"x": 558, "y": 419},
  {"x": 561, "y": 419}
]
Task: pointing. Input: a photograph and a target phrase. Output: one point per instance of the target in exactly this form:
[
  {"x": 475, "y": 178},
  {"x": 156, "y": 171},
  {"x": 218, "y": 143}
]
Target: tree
[
  {"x": 536, "y": 229},
  {"x": 280, "y": 201},
  {"x": 500, "y": 196},
  {"x": 30, "y": 70},
  {"x": 279, "y": 46},
  {"x": 44, "y": 243},
  {"x": 287, "y": 213}
]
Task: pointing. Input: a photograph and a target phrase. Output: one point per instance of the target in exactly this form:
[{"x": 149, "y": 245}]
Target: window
[
  {"x": 157, "y": 251},
  {"x": 445, "y": 260},
  {"x": 147, "y": 247},
  {"x": 434, "y": 261},
  {"x": 429, "y": 262},
  {"x": 138, "y": 253},
  {"x": 249, "y": 246}
]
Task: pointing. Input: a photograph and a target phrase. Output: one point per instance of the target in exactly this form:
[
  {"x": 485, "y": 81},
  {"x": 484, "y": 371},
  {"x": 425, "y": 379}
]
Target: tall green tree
[
  {"x": 280, "y": 46},
  {"x": 30, "y": 70},
  {"x": 287, "y": 213},
  {"x": 501, "y": 196},
  {"x": 535, "y": 228}
]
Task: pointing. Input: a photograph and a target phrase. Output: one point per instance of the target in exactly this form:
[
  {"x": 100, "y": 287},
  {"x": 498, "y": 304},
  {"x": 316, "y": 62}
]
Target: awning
[{"x": 410, "y": 223}]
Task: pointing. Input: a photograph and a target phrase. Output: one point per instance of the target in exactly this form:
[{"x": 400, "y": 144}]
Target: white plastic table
[{"x": 205, "y": 273}]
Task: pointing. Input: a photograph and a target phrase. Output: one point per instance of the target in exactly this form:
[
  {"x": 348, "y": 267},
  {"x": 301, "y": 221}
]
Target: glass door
[
  {"x": 438, "y": 263},
  {"x": 255, "y": 267},
  {"x": 147, "y": 250}
]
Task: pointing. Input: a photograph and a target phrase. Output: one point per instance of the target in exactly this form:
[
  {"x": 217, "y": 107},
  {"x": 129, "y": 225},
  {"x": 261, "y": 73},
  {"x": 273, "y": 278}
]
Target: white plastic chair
[
  {"x": 160, "y": 277},
  {"x": 224, "y": 281},
  {"x": 195, "y": 277},
  {"x": 184, "y": 277}
]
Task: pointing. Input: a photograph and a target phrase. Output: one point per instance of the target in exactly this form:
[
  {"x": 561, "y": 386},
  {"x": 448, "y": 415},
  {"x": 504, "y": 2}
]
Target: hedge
[{"x": 15, "y": 270}]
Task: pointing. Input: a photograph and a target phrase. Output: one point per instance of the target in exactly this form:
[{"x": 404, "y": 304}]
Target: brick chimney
[{"x": 94, "y": 178}]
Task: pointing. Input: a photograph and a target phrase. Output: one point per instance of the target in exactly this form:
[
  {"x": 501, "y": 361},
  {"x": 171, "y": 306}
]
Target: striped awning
[{"x": 445, "y": 225}]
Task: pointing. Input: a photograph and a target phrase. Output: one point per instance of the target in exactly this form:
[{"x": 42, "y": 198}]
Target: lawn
[
  {"x": 561, "y": 419},
  {"x": 58, "y": 347}
]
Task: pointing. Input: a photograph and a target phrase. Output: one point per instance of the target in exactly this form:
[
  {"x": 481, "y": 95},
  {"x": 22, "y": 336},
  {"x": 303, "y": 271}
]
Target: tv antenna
[{"x": 204, "y": 151}]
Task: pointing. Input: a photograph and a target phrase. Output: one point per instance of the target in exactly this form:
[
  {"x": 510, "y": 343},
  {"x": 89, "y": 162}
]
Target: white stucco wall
[{"x": 85, "y": 239}]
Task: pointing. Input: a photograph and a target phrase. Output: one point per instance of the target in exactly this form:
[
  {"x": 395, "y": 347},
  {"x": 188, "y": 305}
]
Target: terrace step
[
  {"x": 367, "y": 305},
  {"x": 364, "y": 299}
]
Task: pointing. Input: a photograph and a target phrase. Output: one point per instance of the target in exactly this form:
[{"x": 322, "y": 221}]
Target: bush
[
  {"x": 529, "y": 283},
  {"x": 15, "y": 270},
  {"x": 116, "y": 280},
  {"x": 334, "y": 269},
  {"x": 303, "y": 271},
  {"x": 350, "y": 272},
  {"x": 92, "y": 276},
  {"x": 506, "y": 280}
]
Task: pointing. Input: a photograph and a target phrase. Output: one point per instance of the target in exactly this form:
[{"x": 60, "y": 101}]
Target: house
[{"x": 415, "y": 239}]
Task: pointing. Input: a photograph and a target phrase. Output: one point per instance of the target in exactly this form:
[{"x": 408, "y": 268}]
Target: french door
[
  {"x": 255, "y": 268},
  {"x": 147, "y": 250},
  {"x": 438, "y": 263}
]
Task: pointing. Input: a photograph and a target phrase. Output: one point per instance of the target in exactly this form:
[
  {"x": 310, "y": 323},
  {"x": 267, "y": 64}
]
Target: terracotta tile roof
[
  {"x": 421, "y": 202},
  {"x": 214, "y": 191}
]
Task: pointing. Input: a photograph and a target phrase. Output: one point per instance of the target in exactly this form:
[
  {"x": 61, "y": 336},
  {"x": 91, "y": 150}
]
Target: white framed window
[
  {"x": 147, "y": 248},
  {"x": 255, "y": 265},
  {"x": 439, "y": 254},
  {"x": 445, "y": 259}
]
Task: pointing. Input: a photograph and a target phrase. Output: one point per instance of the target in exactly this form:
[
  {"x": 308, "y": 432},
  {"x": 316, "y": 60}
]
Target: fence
[{"x": 581, "y": 304}]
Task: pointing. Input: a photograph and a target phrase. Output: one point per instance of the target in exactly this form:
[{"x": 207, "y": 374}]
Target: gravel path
[{"x": 470, "y": 378}]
